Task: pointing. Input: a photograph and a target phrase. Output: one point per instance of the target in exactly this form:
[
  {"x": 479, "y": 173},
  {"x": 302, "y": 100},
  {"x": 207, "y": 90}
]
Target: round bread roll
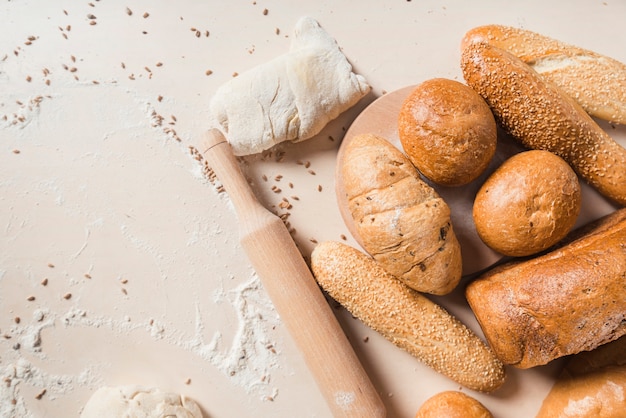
[
  {"x": 528, "y": 204},
  {"x": 452, "y": 404},
  {"x": 447, "y": 131}
]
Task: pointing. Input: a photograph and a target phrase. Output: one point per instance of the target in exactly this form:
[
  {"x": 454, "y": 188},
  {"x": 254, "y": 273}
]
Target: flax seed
[
  {"x": 129, "y": 12},
  {"x": 145, "y": 15},
  {"x": 67, "y": 296},
  {"x": 40, "y": 395}
]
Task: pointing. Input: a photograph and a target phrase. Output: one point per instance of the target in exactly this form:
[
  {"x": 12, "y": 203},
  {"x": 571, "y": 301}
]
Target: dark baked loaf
[{"x": 570, "y": 300}]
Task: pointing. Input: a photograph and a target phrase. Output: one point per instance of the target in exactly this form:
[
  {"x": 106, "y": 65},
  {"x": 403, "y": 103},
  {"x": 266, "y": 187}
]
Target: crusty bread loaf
[
  {"x": 595, "y": 81},
  {"x": 541, "y": 116},
  {"x": 592, "y": 385},
  {"x": 452, "y": 404},
  {"x": 566, "y": 301},
  {"x": 447, "y": 131},
  {"x": 528, "y": 204},
  {"x": 405, "y": 317},
  {"x": 395, "y": 216}
]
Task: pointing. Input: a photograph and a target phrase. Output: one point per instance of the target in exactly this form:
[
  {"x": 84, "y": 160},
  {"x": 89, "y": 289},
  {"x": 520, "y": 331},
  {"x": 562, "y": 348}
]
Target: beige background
[{"x": 101, "y": 197}]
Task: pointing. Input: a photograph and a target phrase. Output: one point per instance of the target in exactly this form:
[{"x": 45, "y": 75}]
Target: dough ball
[
  {"x": 139, "y": 402},
  {"x": 447, "y": 131},
  {"x": 528, "y": 204},
  {"x": 452, "y": 404}
]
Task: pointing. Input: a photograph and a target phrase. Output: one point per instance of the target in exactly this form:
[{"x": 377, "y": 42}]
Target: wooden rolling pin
[{"x": 294, "y": 292}]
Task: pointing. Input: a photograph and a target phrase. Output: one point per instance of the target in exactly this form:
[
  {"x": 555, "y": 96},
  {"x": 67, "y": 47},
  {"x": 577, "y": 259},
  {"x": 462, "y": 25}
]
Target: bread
[
  {"x": 405, "y": 317},
  {"x": 396, "y": 217},
  {"x": 452, "y": 404},
  {"x": 566, "y": 301},
  {"x": 592, "y": 385},
  {"x": 528, "y": 204},
  {"x": 595, "y": 81},
  {"x": 541, "y": 116},
  {"x": 447, "y": 131}
]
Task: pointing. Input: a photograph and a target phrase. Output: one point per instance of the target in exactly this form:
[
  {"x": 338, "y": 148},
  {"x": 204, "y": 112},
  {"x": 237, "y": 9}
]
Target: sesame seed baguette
[
  {"x": 595, "y": 81},
  {"x": 405, "y": 317},
  {"x": 541, "y": 116}
]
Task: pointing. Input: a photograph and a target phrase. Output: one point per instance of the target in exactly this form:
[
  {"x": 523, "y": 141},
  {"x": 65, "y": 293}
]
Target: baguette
[
  {"x": 566, "y": 301},
  {"x": 541, "y": 116},
  {"x": 595, "y": 81},
  {"x": 405, "y": 317},
  {"x": 590, "y": 386}
]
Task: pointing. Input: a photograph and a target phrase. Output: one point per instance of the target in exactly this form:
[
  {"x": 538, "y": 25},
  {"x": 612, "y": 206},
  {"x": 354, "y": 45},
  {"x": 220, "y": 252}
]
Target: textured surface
[
  {"x": 405, "y": 317},
  {"x": 97, "y": 178}
]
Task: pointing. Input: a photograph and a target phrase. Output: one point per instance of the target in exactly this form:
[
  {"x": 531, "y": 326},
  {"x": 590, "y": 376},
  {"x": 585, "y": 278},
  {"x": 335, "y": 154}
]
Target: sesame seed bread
[
  {"x": 395, "y": 216},
  {"x": 569, "y": 300},
  {"x": 405, "y": 317},
  {"x": 541, "y": 116},
  {"x": 452, "y": 404},
  {"x": 595, "y": 81}
]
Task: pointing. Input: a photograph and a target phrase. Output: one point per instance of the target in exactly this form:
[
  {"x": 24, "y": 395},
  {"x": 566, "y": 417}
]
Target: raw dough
[
  {"x": 139, "y": 402},
  {"x": 290, "y": 98}
]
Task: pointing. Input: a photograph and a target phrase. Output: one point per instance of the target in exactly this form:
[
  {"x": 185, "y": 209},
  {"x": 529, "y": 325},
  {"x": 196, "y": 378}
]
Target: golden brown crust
[
  {"x": 591, "y": 385},
  {"x": 541, "y": 116},
  {"x": 528, "y": 204},
  {"x": 561, "y": 303},
  {"x": 595, "y": 81},
  {"x": 405, "y": 317},
  {"x": 399, "y": 219},
  {"x": 452, "y": 404},
  {"x": 447, "y": 131}
]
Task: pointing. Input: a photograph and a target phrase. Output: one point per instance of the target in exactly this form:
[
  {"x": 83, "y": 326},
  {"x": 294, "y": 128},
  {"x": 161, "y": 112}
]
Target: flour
[
  {"x": 22, "y": 372},
  {"x": 247, "y": 360},
  {"x": 252, "y": 354}
]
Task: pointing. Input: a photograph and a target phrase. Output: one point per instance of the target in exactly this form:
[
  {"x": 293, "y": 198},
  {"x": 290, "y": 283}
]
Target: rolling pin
[{"x": 299, "y": 301}]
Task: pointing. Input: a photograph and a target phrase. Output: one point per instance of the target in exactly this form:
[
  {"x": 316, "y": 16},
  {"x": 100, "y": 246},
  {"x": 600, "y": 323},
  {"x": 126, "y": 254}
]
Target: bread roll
[
  {"x": 447, "y": 131},
  {"x": 569, "y": 300},
  {"x": 595, "y": 81},
  {"x": 541, "y": 116},
  {"x": 396, "y": 217},
  {"x": 452, "y": 404},
  {"x": 528, "y": 204},
  {"x": 592, "y": 385},
  {"x": 405, "y": 317}
]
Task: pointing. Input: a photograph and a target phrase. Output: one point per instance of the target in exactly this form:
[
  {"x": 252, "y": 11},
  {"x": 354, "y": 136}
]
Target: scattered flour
[
  {"x": 591, "y": 405},
  {"x": 247, "y": 361},
  {"x": 345, "y": 399}
]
